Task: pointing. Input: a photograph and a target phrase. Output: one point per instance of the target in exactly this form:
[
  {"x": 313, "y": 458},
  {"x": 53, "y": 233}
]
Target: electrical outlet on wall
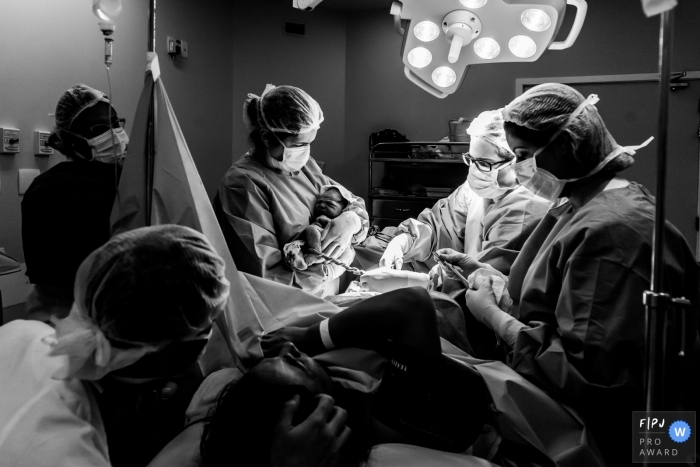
[{"x": 184, "y": 49}]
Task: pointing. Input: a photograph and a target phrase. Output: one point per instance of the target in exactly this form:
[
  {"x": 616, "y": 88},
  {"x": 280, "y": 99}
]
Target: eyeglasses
[
  {"x": 103, "y": 128},
  {"x": 483, "y": 166}
]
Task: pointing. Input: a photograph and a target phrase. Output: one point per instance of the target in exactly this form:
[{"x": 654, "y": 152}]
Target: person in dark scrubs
[{"x": 66, "y": 210}]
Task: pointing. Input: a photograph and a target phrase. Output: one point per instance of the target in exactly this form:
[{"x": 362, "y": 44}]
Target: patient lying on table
[
  {"x": 425, "y": 398},
  {"x": 329, "y": 205}
]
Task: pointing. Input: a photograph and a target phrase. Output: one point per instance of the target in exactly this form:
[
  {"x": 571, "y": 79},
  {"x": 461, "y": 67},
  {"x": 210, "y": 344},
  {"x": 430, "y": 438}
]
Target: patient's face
[
  {"x": 293, "y": 368},
  {"x": 330, "y": 204}
]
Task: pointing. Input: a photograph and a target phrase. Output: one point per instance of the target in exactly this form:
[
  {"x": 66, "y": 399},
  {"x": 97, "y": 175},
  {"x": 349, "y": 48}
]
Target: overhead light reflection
[
  {"x": 522, "y": 46},
  {"x": 420, "y": 57},
  {"x": 444, "y": 77},
  {"x": 426, "y": 31},
  {"x": 487, "y": 48},
  {"x": 535, "y": 20}
]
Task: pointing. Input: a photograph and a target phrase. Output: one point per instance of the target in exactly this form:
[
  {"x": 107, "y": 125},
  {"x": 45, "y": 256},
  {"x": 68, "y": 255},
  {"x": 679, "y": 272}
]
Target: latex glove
[
  {"x": 395, "y": 251},
  {"x": 337, "y": 235},
  {"x": 294, "y": 256},
  {"x": 482, "y": 304},
  {"x": 465, "y": 264},
  {"x": 332, "y": 270},
  {"x": 315, "y": 442},
  {"x": 387, "y": 279},
  {"x": 312, "y": 236}
]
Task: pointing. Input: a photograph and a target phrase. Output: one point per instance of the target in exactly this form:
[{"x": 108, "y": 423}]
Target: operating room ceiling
[{"x": 347, "y": 5}]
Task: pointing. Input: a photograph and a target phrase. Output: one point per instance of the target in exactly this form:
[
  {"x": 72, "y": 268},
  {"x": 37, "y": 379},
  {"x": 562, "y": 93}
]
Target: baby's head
[{"x": 330, "y": 203}]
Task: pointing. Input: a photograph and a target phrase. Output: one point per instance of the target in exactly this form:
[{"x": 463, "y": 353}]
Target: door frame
[{"x": 521, "y": 83}]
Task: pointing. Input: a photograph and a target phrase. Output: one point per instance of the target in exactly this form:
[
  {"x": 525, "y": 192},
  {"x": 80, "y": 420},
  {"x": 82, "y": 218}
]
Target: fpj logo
[{"x": 663, "y": 436}]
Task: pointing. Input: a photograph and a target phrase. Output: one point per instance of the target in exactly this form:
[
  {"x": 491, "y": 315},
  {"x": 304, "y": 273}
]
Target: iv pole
[
  {"x": 151, "y": 132},
  {"x": 660, "y": 305}
]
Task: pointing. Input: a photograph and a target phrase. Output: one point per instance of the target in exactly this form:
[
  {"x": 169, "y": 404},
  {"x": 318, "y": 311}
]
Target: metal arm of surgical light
[
  {"x": 476, "y": 31},
  {"x": 306, "y": 5}
]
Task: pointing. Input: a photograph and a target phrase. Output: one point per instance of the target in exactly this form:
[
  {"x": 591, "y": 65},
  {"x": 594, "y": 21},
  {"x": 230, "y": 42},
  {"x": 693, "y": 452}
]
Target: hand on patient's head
[
  {"x": 315, "y": 442},
  {"x": 274, "y": 415}
]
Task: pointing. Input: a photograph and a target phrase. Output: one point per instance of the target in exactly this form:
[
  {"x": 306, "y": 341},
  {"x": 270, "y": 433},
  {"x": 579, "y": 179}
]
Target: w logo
[{"x": 679, "y": 431}]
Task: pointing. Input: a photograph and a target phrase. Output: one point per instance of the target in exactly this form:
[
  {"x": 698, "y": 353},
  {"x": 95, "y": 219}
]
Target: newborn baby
[{"x": 329, "y": 205}]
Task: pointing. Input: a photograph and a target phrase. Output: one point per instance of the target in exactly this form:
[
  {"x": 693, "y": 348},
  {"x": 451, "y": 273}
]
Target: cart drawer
[
  {"x": 395, "y": 209},
  {"x": 384, "y": 222}
]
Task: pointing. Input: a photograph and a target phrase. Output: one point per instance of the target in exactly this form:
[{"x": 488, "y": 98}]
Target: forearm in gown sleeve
[
  {"x": 592, "y": 345},
  {"x": 248, "y": 213},
  {"x": 356, "y": 205},
  {"x": 441, "y": 226},
  {"x": 506, "y": 237}
]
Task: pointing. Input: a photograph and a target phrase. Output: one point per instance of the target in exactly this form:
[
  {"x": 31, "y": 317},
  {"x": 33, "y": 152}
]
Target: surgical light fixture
[{"x": 476, "y": 31}]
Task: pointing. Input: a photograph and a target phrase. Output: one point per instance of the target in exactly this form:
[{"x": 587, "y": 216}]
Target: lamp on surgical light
[{"x": 474, "y": 32}]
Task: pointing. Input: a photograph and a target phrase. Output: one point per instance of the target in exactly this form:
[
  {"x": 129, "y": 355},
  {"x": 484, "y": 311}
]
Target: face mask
[
  {"x": 103, "y": 150},
  {"x": 486, "y": 184},
  {"x": 539, "y": 181},
  {"x": 104, "y": 146},
  {"x": 293, "y": 159}
]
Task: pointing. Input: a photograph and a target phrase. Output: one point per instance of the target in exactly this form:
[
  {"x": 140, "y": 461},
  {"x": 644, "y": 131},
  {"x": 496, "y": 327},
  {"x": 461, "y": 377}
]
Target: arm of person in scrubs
[
  {"x": 441, "y": 226},
  {"x": 584, "y": 333},
  {"x": 507, "y": 225},
  {"x": 244, "y": 214}
]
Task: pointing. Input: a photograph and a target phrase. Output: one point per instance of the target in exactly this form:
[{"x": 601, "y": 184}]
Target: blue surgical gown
[
  {"x": 261, "y": 209},
  {"x": 577, "y": 287}
]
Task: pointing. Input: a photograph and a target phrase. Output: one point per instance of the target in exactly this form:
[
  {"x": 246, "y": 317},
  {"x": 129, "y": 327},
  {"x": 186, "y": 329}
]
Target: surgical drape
[
  {"x": 177, "y": 196},
  {"x": 261, "y": 209}
]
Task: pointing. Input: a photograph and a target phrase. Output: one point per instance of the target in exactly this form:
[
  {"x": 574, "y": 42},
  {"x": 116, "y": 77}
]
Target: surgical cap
[
  {"x": 547, "y": 108},
  {"x": 152, "y": 286},
  {"x": 488, "y": 126},
  {"x": 74, "y": 101},
  {"x": 283, "y": 109}
]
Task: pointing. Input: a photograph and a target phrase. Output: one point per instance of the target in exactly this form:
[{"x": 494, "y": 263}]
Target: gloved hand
[
  {"x": 337, "y": 235},
  {"x": 395, "y": 250},
  {"x": 465, "y": 264},
  {"x": 482, "y": 304},
  {"x": 333, "y": 270},
  {"x": 312, "y": 236},
  {"x": 315, "y": 442}
]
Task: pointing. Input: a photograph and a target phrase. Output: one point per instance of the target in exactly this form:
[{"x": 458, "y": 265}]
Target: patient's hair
[
  {"x": 239, "y": 430},
  {"x": 242, "y": 423}
]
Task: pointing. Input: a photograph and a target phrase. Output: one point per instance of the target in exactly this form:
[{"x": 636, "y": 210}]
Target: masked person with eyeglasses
[
  {"x": 577, "y": 324},
  {"x": 486, "y": 220},
  {"x": 266, "y": 199},
  {"x": 66, "y": 209}
]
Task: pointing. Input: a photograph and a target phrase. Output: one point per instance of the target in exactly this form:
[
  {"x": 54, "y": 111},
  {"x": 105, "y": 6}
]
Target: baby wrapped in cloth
[{"x": 329, "y": 205}]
